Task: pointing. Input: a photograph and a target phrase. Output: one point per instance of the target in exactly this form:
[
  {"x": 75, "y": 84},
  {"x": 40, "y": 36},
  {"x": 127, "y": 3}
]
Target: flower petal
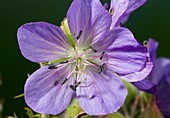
[
  {"x": 100, "y": 94},
  {"x": 133, "y": 5},
  {"x": 44, "y": 91},
  {"x": 162, "y": 66},
  {"x": 125, "y": 54},
  {"x": 140, "y": 75},
  {"x": 118, "y": 7},
  {"x": 88, "y": 20},
  {"x": 42, "y": 42},
  {"x": 163, "y": 95},
  {"x": 106, "y": 40},
  {"x": 145, "y": 85},
  {"x": 152, "y": 48}
]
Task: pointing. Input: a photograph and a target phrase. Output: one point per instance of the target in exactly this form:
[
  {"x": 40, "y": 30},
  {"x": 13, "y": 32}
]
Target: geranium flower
[
  {"x": 158, "y": 82},
  {"x": 88, "y": 63},
  {"x": 147, "y": 84}
]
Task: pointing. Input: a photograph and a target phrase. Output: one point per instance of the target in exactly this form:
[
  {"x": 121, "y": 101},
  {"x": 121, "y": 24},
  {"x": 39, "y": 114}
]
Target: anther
[
  {"x": 52, "y": 67},
  {"x": 94, "y": 50},
  {"x": 145, "y": 44},
  {"x": 64, "y": 81},
  {"x": 73, "y": 87},
  {"x": 79, "y": 35},
  {"x": 64, "y": 62},
  {"x": 102, "y": 55},
  {"x": 77, "y": 84},
  {"x": 111, "y": 11},
  {"x": 101, "y": 68}
]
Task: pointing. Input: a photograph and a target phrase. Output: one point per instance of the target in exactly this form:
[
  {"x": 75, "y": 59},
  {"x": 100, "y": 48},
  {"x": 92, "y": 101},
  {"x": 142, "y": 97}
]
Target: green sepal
[
  {"x": 29, "y": 112},
  {"x": 18, "y": 96},
  {"x": 65, "y": 28},
  {"x": 37, "y": 116}
]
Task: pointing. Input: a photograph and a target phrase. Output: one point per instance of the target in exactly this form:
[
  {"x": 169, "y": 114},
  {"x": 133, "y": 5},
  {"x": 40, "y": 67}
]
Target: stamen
[
  {"x": 111, "y": 11},
  {"x": 64, "y": 62},
  {"x": 145, "y": 44},
  {"x": 52, "y": 67},
  {"x": 85, "y": 51},
  {"x": 77, "y": 84},
  {"x": 88, "y": 62},
  {"x": 93, "y": 49},
  {"x": 101, "y": 68},
  {"x": 79, "y": 34},
  {"x": 102, "y": 55},
  {"x": 64, "y": 81},
  {"x": 73, "y": 87}
]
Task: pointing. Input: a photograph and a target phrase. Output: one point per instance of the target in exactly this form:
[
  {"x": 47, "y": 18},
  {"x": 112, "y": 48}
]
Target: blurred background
[{"x": 150, "y": 20}]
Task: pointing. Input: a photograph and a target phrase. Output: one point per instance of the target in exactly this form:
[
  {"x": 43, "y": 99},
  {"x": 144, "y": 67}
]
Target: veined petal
[
  {"x": 44, "y": 91},
  {"x": 133, "y": 5},
  {"x": 88, "y": 20},
  {"x": 118, "y": 7},
  {"x": 163, "y": 95},
  {"x": 106, "y": 40},
  {"x": 140, "y": 75},
  {"x": 42, "y": 42},
  {"x": 146, "y": 85},
  {"x": 162, "y": 67},
  {"x": 100, "y": 94},
  {"x": 125, "y": 54},
  {"x": 152, "y": 48}
]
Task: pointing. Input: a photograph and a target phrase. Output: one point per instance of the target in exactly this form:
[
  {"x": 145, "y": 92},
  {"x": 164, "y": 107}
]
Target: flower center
[{"x": 79, "y": 59}]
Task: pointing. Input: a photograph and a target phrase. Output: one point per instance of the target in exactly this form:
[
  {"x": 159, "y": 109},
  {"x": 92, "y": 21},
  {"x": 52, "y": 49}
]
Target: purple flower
[
  {"x": 158, "y": 82},
  {"x": 147, "y": 84},
  {"x": 121, "y": 9},
  {"x": 161, "y": 77},
  {"x": 88, "y": 63}
]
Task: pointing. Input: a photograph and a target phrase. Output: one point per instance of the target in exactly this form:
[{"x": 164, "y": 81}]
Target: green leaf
[
  {"x": 18, "y": 96},
  {"x": 29, "y": 112}
]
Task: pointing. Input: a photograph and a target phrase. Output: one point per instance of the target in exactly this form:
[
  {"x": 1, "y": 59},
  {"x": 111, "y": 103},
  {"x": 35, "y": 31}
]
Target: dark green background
[{"x": 151, "y": 20}]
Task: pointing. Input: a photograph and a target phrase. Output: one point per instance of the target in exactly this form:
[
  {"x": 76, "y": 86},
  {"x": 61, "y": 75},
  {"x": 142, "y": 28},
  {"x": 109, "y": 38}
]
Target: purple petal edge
[{"x": 146, "y": 86}]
